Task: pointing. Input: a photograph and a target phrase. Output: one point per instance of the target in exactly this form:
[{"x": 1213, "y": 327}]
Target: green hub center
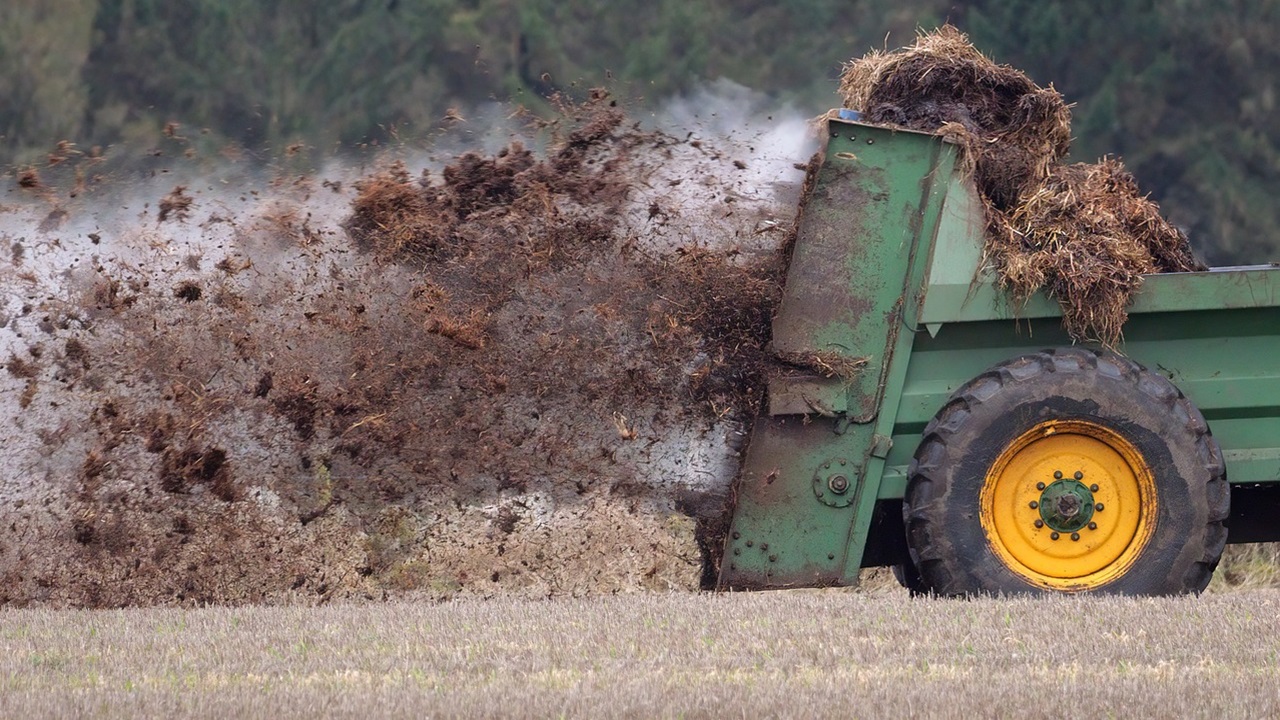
[{"x": 1066, "y": 505}]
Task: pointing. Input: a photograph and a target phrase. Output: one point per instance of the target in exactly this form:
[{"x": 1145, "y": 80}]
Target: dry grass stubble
[{"x": 795, "y": 654}]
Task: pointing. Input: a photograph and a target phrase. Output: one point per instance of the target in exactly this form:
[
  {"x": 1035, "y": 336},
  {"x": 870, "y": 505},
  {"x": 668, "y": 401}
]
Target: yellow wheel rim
[{"x": 1069, "y": 505}]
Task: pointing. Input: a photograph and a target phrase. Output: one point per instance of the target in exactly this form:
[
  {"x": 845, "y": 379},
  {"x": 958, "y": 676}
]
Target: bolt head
[
  {"x": 764, "y": 546},
  {"x": 1057, "y": 474},
  {"x": 1034, "y": 504},
  {"x": 750, "y": 544},
  {"x": 1093, "y": 526},
  {"x": 831, "y": 556},
  {"x": 737, "y": 551},
  {"x": 1039, "y": 486},
  {"x": 773, "y": 558},
  {"x": 1079, "y": 475},
  {"x": 1075, "y": 536},
  {"x": 1053, "y": 536},
  {"x": 1098, "y": 507},
  {"x": 1039, "y": 523},
  {"x": 1093, "y": 487},
  {"x": 736, "y": 535}
]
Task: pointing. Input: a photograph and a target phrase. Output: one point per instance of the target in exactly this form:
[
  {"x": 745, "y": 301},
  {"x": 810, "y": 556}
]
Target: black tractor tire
[
  {"x": 909, "y": 578},
  {"x": 955, "y": 556}
]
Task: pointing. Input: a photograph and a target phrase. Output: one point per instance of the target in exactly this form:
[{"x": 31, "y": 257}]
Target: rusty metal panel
[
  {"x": 809, "y": 483},
  {"x": 846, "y": 282}
]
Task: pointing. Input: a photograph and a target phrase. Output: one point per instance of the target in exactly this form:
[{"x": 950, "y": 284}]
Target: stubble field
[{"x": 871, "y": 653}]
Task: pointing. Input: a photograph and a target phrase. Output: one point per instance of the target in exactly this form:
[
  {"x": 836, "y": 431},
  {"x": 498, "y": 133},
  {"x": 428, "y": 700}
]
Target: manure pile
[
  {"x": 514, "y": 372},
  {"x": 1081, "y": 232}
]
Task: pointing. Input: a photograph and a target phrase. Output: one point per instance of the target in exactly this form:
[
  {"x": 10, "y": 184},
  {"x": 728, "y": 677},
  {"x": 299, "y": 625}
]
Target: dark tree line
[{"x": 1184, "y": 91}]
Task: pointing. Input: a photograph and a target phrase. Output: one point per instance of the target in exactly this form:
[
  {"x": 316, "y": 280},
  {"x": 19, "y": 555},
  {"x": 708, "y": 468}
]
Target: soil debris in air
[
  {"x": 177, "y": 204},
  {"x": 504, "y": 374},
  {"x": 1080, "y": 232}
]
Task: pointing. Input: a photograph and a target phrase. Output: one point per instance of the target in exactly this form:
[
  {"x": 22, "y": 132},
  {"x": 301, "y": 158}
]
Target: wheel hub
[{"x": 1066, "y": 505}]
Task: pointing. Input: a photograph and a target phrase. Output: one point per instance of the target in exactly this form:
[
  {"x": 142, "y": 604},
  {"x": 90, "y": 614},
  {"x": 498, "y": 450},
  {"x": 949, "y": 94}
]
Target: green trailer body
[{"x": 888, "y": 268}]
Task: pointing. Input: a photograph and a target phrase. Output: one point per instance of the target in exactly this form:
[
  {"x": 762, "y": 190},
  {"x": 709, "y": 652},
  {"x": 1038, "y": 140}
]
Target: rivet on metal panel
[
  {"x": 831, "y": 556},
  {"x": 773, "y": 558}
]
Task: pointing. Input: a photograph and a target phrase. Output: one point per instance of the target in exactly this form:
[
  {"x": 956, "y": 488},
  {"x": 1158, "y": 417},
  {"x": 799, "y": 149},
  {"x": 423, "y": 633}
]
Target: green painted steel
[
  {"x": 844, "y": 295},
  {"x": 888, "y": 266},
  {"x": 1066, "y": 505}
]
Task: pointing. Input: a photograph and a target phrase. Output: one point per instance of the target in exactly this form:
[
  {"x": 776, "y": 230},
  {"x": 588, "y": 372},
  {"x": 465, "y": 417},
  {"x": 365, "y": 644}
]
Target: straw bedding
[{"x": 1081, "y": 232}]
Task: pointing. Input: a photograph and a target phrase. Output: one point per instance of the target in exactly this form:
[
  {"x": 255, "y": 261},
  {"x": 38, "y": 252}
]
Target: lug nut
[
  {"x": 1034, "y": 504},
  {"x": 1075, "y": 536},
  {"x": 1039, "y": 523},
  {"x": 1053, "y": 536},
  {"x": 1093, "y": 487},
  {"x": 1093, "y": 526},
  {"x": 1039, "y": 486},
  {"x": 1057, "y": 474},
  {"x": 1079, "y": 475},
  {"x": 1098, "y": 507}
]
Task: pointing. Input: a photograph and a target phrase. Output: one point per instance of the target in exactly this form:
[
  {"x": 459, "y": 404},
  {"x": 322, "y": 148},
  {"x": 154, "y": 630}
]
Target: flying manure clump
[{"x": 1080, "y": 232}]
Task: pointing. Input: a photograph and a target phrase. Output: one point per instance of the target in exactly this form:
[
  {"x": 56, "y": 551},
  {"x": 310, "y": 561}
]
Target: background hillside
[{"x": 1184, "y": 91}]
